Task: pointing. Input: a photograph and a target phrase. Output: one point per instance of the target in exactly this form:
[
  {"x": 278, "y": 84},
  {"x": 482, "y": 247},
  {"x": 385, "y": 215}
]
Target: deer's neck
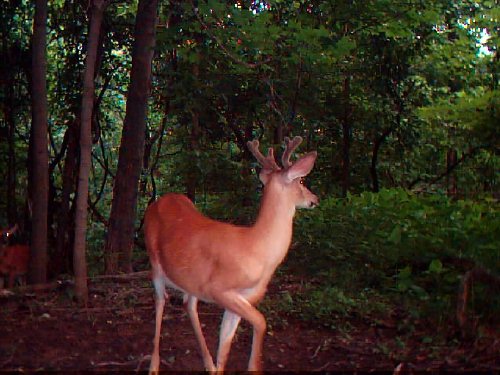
[{"x": 273, "y": 227}]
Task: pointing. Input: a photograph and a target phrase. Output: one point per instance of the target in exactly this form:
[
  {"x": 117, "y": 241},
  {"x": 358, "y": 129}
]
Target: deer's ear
[{"x": 301, "y": 167}]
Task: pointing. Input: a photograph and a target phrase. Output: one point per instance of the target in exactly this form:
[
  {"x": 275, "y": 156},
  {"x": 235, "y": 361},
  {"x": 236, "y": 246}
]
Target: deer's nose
[{"x": 314, "y": 202}]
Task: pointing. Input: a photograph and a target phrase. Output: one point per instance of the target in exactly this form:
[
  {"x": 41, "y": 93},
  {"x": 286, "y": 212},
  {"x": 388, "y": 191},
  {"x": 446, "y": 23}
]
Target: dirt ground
[{"x": 46, "y": 331}]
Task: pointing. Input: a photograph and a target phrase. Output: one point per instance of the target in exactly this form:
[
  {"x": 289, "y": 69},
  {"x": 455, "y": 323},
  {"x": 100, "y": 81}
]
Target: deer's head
[{"x": 289, "y": 180}]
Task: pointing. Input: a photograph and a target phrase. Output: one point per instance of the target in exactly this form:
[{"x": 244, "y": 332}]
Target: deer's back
[
  {"x": 188, "y": 246},
  {"x": 171, "y": 218}
]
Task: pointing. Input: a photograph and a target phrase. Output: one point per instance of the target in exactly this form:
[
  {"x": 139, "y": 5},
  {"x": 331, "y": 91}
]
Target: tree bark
[
  {"x": 451, "y": 178},
  {"x": 120, "y": 238},
  {"x": 79, "y": 250},
  {"x": 65, "y": 231},
  {"x": 192, "y": 175},
  {"x": 38, "y": 257},
  {"x": 471, "y": 277},
  {"x": 194, "y": 146},
  {"x": 346, "y": 138},
  {"x": 11, "y": 159}
]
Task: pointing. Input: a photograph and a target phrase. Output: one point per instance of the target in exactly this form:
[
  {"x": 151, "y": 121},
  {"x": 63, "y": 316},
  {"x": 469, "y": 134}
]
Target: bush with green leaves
[{"x": 396, "y": 247}]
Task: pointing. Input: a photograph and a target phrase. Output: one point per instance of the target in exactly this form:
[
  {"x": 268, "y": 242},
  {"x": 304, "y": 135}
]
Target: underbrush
[{"x": 395, "y": 253}]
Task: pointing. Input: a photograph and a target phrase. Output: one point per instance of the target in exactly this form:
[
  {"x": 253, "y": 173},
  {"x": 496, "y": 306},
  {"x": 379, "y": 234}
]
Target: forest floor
[{"x": 46, "y": 331}]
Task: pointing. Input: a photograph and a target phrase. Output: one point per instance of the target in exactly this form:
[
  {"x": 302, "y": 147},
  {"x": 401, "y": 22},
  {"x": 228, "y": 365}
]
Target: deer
[
  {"x": 222, "y": 263},
  {"x": 14, "y": 259}
]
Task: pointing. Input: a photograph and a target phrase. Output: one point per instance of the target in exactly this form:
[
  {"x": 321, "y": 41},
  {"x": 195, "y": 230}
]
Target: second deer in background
[
  {"x": 222, "y": 263},
  {"x": 14, "y": 259}
]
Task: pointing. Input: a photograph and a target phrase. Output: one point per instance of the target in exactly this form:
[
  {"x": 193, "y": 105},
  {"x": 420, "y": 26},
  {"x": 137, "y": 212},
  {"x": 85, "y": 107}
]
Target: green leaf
[
  {"x": 395, "y": 236},
  {"x": 427, "y": 340},
  {"x": 405, "y": 273},
  {"x": 436, "y": 266},
  {"x": 344, "y": 46}
]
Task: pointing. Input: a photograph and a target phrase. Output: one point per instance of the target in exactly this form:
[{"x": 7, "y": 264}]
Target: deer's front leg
[
  {"x": 239, "y": 306},
  {"x": 228, "y": 327}
]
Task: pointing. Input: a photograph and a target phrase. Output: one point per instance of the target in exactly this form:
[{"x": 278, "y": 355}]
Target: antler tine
[
  {"x": 267, "y": 162},
  {"x": 291, "y": 145}
]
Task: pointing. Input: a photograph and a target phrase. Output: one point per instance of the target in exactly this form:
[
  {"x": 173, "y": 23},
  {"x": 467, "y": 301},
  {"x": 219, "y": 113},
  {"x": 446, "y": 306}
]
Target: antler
[
  {"x": 268, "y": 162},
  {"x": 291, "y": 145}
]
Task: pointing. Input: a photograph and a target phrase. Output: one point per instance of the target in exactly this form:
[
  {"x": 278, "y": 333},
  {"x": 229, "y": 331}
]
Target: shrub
[{"x": 397, "y": 245}]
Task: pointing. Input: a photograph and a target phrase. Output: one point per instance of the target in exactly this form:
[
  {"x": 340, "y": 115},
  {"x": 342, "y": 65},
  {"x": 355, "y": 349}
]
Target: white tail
[
  {"x": 222, "y": 263},
  {"x": 14, "y": 259}
]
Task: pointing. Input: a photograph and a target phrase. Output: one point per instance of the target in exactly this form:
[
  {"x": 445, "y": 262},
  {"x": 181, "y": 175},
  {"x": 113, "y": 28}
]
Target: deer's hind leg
[
  {"x": 160, "y": 298},
  {"x": 192, "y": 309}
]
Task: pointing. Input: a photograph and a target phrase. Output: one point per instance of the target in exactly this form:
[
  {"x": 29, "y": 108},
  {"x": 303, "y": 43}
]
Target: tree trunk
[
  {"x": 65, "y": 231},
  {"x": 278, "y": 133},
  {"x": 120, "y": 238},
  {"x": 346, "y": 138},
  {"x": 38, "y": 258},
  {"x": 11, "y": 159},
  {"x": 451, "y": 179},
  {"x": 373, "y": 167},
  {"x": 194, "y": 145},
  {"x": 471, "y": 278},
  {"x": 79, "y": 250},
  {"x": 192, "y": 175}
]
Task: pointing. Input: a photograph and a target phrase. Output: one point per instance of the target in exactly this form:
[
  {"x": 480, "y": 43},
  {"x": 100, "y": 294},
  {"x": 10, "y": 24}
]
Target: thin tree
[
  {"x": 79, "y": 250},
  {"x": 346, "y": 136},
  {"x": 39, "y": 148},
  {"x": 120, "y": 238}
]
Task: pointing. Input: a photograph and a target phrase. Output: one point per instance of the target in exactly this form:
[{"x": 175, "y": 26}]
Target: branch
[
  {"x": 97, "y": 214},
  {"x": 472, "y": 152},
  {"x": 231, "y": 122},
  {"x": 158, "y": 137},
  {"x": 58, "y": 154},
  {"x": 273, "y": 96},
  {"x": 298, "y": 86},
  {"x": 124, "y": 276},
  {"x": 105, "y": 166},
  {"x": 224, "y": 49}
]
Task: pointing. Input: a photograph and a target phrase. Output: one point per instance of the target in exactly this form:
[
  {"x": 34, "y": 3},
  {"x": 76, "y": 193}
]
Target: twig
[
  {"x": 349, "y": 349},
  {"x": 124, "y": 276},
  {"x": 143, "y": 358},
  {"x": 316, "y": 351},
  {"x": 113, "y": 363},
  {"x": 399, "y": 368},
  {"x": 322, "y": 367},
  {"x": 34, "y": 288},
  {"x": 324, "y": 344}
]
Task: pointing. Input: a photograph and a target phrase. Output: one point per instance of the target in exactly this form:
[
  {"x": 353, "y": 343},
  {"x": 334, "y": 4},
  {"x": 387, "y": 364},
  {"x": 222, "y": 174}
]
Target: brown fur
[
  {"x": 14, "y": 262},
  {"x": 224, "y": 263}
]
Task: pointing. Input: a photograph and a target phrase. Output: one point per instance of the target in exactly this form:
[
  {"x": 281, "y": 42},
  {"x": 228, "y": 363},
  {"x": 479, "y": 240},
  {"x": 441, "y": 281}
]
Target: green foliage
[
  {"x": 397, "y": 247},
  {"x": 475, "y": 114}
]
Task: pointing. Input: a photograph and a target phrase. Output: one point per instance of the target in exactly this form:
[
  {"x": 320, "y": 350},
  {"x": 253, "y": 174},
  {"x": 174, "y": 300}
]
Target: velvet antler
[{"x": 291, "y": 145}]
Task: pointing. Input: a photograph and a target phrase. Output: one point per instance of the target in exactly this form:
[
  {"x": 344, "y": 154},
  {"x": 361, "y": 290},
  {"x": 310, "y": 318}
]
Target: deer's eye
[{"x": 302, "y": 181}]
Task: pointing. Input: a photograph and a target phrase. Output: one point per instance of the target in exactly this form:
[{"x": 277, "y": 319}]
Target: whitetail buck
[
  {"x": 222, "y": 263},
  {"x": 14, "y": 259}
]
